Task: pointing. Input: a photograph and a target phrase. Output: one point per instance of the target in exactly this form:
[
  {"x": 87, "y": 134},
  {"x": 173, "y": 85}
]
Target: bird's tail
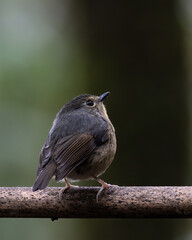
[{"x": 45, "y": 176}]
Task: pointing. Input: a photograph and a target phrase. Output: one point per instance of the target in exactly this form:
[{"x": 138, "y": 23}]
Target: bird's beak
[{"x": 103, "y": 96}]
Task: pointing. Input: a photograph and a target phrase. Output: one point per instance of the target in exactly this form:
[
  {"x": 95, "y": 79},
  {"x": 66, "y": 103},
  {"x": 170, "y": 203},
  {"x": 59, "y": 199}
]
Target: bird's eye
[{"x": 90, "y": 102}]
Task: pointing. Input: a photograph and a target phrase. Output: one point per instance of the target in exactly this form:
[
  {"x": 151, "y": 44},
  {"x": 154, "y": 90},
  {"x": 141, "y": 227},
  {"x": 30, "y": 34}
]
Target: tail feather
[{"x": 45, "y": 176}]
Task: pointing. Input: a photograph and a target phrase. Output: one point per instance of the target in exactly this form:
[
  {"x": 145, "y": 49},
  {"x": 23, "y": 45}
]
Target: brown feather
[
  {"x": 72, "y": 153},
  {"x": 45, "y": 176}
]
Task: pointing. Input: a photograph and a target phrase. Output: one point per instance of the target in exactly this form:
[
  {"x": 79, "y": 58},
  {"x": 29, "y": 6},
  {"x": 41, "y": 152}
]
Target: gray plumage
[{"x": 78, "y": 137}]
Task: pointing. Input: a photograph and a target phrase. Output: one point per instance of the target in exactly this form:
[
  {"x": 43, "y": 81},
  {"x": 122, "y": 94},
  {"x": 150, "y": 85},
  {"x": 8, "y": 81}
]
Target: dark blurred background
[{"x": 140, "y": 51}]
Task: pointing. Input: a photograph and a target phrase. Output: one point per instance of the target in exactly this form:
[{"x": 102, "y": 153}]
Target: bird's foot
[
  {"x": 68, "y": 185},
  {"x": 104, "y": 186}
]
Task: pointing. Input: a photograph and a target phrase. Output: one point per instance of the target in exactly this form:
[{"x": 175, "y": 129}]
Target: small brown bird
[{"x": 81, "y": 143}]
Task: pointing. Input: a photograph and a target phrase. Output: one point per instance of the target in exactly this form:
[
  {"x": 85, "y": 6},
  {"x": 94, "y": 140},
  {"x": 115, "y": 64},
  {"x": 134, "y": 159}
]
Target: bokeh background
[{"x": 141, "y": 51}]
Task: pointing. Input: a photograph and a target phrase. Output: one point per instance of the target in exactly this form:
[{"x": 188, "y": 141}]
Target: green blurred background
[{"x": 141, "y": 51}]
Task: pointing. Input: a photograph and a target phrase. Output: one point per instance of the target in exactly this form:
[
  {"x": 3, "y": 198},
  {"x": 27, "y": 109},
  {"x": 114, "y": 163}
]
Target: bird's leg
[
  {"x": 67, "y": 185},
  {"x": 104, "y": 185}
]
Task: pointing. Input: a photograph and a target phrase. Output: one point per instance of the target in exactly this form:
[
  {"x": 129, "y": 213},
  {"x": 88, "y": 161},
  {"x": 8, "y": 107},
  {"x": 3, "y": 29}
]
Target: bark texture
[{"x": 114, "y": 202}]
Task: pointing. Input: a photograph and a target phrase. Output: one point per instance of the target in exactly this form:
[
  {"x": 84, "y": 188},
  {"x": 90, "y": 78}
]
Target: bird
[{"x": 81, "y": 144}]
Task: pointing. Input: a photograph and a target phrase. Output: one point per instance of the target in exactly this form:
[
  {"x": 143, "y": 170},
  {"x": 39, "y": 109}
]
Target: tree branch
[{"x": 114, "y": 202}]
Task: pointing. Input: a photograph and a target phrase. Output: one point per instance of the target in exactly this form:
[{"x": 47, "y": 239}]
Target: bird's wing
[
  {"x": 61, "y": 159},
  {"x": 68, "y": 154},
  {"x": 45, "y": 155},
  {"x": 61, "y": 154}
]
